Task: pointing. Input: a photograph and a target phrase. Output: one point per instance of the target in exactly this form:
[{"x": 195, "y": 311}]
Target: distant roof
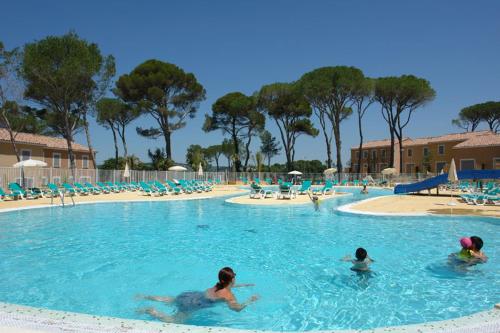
[
  {"x": 468, "y": 140},
  {"x": 48, "y": 142}
]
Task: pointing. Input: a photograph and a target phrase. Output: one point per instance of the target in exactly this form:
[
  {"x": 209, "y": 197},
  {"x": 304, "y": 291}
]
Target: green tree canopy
[
  {"x": 235, "y": 114},
  {"x": 330, "y": 90},
  {"x": 159, "y": 160},
  {"x": 285, "y": 104},
  {"x": 399, "y": 98},
  {"x": 214, "y": 153},
  {"x": 195, "y": 155},
  {"x": 470, "y": 117},
  {"x": 61, "y": 73},
  {"x": 269, "y": 146},
  {"x": 166, "y": 93}
]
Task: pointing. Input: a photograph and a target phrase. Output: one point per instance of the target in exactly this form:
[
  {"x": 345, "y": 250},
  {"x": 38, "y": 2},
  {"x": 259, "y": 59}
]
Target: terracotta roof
[
  {"x": 466, "y": 140},
  {"x": 41, "y": 140},
  {"x": 488, "y": 139}
]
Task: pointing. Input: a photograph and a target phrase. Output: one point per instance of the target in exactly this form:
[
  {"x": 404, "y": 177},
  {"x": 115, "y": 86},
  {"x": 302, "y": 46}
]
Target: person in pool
[
  {"x": 364, "y": 190},
  {"x": 475, "y": 249},
  {"x": 190, "y": 301},
  {"x": 362, "y": 261},
  {"x": 314, "y": 199}
]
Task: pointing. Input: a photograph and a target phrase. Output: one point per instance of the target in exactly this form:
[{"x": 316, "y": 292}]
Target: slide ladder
[{"x": 434, "y": 182}]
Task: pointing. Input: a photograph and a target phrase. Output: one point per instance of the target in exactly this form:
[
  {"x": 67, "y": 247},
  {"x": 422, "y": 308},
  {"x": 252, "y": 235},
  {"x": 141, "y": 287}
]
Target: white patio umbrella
[
  {"x": 389, "y": 171},
  {"x": 126, "y": 172},
  {"x": 177, "y": 168},
  {"x": 294, "y": 173},
  {"x": 452, "y": 178},
  {"x": 330, "y": 171},
  {"x": 30, "y": 163},
  {"x": 200, "y": 170}
]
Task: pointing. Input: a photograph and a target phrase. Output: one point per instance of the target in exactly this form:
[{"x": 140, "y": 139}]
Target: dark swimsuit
[{"x": 193, "y": 300}]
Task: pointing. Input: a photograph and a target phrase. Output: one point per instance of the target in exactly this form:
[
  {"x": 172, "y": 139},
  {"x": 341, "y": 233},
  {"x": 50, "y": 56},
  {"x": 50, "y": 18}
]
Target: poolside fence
[{"x": 40, "y": 177}]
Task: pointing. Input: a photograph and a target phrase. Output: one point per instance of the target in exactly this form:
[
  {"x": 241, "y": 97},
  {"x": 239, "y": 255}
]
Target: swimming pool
[{"x": 96, "y": 258}]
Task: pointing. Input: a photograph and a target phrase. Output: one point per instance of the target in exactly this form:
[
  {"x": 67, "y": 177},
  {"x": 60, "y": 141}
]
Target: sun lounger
[
  {"x": 306, "y": 186},
  {"x": 258, "y": 192},
  {"x": 82, "y": 190},
  {"x": 14, "y": 195},
  {"x": 95, "y": 189},
  {"x": 53, "y": 190},
  {"x": 25, "y": 194},
  {"x": 148, "y": 190},
  {"x": 68, "y": 189},
  {"x": 286, "y": 191},
  {"x": 326, "y": 189}
]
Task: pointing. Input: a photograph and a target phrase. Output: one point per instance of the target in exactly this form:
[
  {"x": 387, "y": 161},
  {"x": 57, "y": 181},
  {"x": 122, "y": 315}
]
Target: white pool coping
[
  {"x": 20, "y": 318},
  {"x": 348, "y": 209},
  {"x": 16, "y": 318}
]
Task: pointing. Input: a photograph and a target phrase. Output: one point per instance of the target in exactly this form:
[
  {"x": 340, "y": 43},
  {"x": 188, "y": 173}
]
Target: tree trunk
[
  {"x": 115, "y": 141},
  {"x": 247, "y": 149},
  {"x": 168, "y": 144},
  {"x": 328, "y": 140},
  {"x": 338, "y": 144},
  {"x": 237, "y": 162},
  {"x": 89, "y": 143},
  {"x": 13, "y": 143},
  {"x": 269, "y": 162},
  {"x": 216, "y": 163},
  {"x": 360, "y": 149},
  {"x": 71, "y": 154},
  {"x": 124, "y": 142},
  {"x": 391, "y": 161}
]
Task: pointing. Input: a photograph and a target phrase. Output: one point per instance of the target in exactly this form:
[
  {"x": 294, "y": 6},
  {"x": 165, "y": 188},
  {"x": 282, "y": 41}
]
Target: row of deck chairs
[
  {"x": 82, "y": 189},
  {"x": 489, "y": 196},
  {"x": 287, "y": 191}
]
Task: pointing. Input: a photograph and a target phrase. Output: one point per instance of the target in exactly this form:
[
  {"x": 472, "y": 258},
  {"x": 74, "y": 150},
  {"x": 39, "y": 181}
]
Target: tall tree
[
  {"x": 121, "y": 114},
  {"x": 269, "y": 146},
  {"x": 60, "y": 73},
  {"x": 227, "y": 148},
  {"x": 195, "y": 156},
  {"x": 468, "y": 119},
  {"x": 214, "y": 153},
  {"x": 400, "y": 97},
  {"x": 471, "y": 116},
  {"x": 166, "y": 93},
  {"x": 106, "y": 116},
  {"x": 235, "y": 114},
  {"x": 330, "y": 90},
  {"x": 285, "y": 104},
  {"x": 88, "y": 105},
  {"x": 363, "y": 97},
  {"x": 159, "y": 160}
]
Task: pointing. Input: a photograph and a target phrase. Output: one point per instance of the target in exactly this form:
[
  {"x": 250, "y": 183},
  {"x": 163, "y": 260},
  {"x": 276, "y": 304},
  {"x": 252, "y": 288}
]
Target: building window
[
  {"x": 440, "y": 166},
  {"x": 365, "y": 154},
  {"x": 496, "y": 163},
  {"x": 56, "y": 160},
  {"x": 357, "y": 154},
  {"x": 426, "y": 151},
  {"x": 410, "y": 168},
  {"x": 374, "y": 154},
  {"x": 85, "y": 162},
  {"x": 382, "y": 153},
  {"x": 441, "y": 149},
  {"x": 365, "y": 167},
  {"x": 25, "y": 154},
  {"x": 410, "y": 152},
  {"x": 468, "y": 164}
]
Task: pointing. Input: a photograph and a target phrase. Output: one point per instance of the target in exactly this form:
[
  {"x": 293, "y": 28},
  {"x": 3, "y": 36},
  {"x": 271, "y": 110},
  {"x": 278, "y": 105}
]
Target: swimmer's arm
[
  {"x": 235, "y": 306},
  {"x": 481, "y": 256},
  {"x": 347, "y": 258}
]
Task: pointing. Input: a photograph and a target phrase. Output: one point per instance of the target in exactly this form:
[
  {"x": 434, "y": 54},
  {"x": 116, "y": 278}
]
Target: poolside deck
[
  {"x": 221, "y": 190},
  {"x": 300, "y": 199},
  {"x": 422, "y": 204}
]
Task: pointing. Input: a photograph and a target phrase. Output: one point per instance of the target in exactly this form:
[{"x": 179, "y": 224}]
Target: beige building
[
  {"x": 471, "y": 150},
  {"x": 53, "y": 151}
]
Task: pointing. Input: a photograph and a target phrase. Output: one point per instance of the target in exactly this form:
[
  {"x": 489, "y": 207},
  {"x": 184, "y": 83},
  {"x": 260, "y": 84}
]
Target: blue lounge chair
[
  {"x": 148, "y": 190},
  {"x": 68, "y": 189},
  {"x": 306, "y": 186},
  {"x": 257, "y": 192},
  {"x": 26, "y": 194},
  {"x": 82, "y": 190},
  {"x": 14, "y": 195},
  {"x": 286, "y": 191},
  {"x": 95, "y": 189},
  {"x": 53, "y": 190}
]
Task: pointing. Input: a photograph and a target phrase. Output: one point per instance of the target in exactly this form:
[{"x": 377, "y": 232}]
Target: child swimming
[
  {"x": 477, "y": 245},
  {"x": 190, "y": 301},
  {"x": 314, "y": 199},
  {"x": 362, "y": 261}
]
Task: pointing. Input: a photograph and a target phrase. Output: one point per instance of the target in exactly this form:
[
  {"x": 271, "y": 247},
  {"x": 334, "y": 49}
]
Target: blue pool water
[{"x": 95, "y": 258}]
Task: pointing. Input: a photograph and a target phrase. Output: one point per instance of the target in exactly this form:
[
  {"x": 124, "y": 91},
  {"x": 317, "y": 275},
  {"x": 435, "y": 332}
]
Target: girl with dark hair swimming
[{"x": 190, "y": 301}]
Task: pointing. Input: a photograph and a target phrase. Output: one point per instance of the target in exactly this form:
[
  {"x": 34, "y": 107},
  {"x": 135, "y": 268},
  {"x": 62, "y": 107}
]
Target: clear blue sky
[{"x": 241, "y": 45}]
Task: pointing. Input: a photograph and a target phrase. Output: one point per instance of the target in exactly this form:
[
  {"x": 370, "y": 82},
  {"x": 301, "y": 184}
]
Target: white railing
[{"x": 40, "y": 177}]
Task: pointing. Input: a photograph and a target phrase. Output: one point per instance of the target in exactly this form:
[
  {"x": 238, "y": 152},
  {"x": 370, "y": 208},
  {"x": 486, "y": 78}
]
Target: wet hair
[
  {"x": 477, "y": 242},
  {"x": 361, "y": 254},
  {"x": 226, "y": 276}
]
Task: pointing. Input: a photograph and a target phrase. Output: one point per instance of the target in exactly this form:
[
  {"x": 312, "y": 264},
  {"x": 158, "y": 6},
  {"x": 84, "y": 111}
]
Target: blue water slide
[{"x": 434, "y": 182}]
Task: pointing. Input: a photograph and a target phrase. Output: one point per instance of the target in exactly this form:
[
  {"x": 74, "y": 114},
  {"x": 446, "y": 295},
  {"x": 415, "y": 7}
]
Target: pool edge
[{"x": 13, "y": 316}]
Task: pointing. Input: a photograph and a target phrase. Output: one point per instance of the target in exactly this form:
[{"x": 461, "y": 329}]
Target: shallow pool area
[{"x": 96, "y": 258}]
